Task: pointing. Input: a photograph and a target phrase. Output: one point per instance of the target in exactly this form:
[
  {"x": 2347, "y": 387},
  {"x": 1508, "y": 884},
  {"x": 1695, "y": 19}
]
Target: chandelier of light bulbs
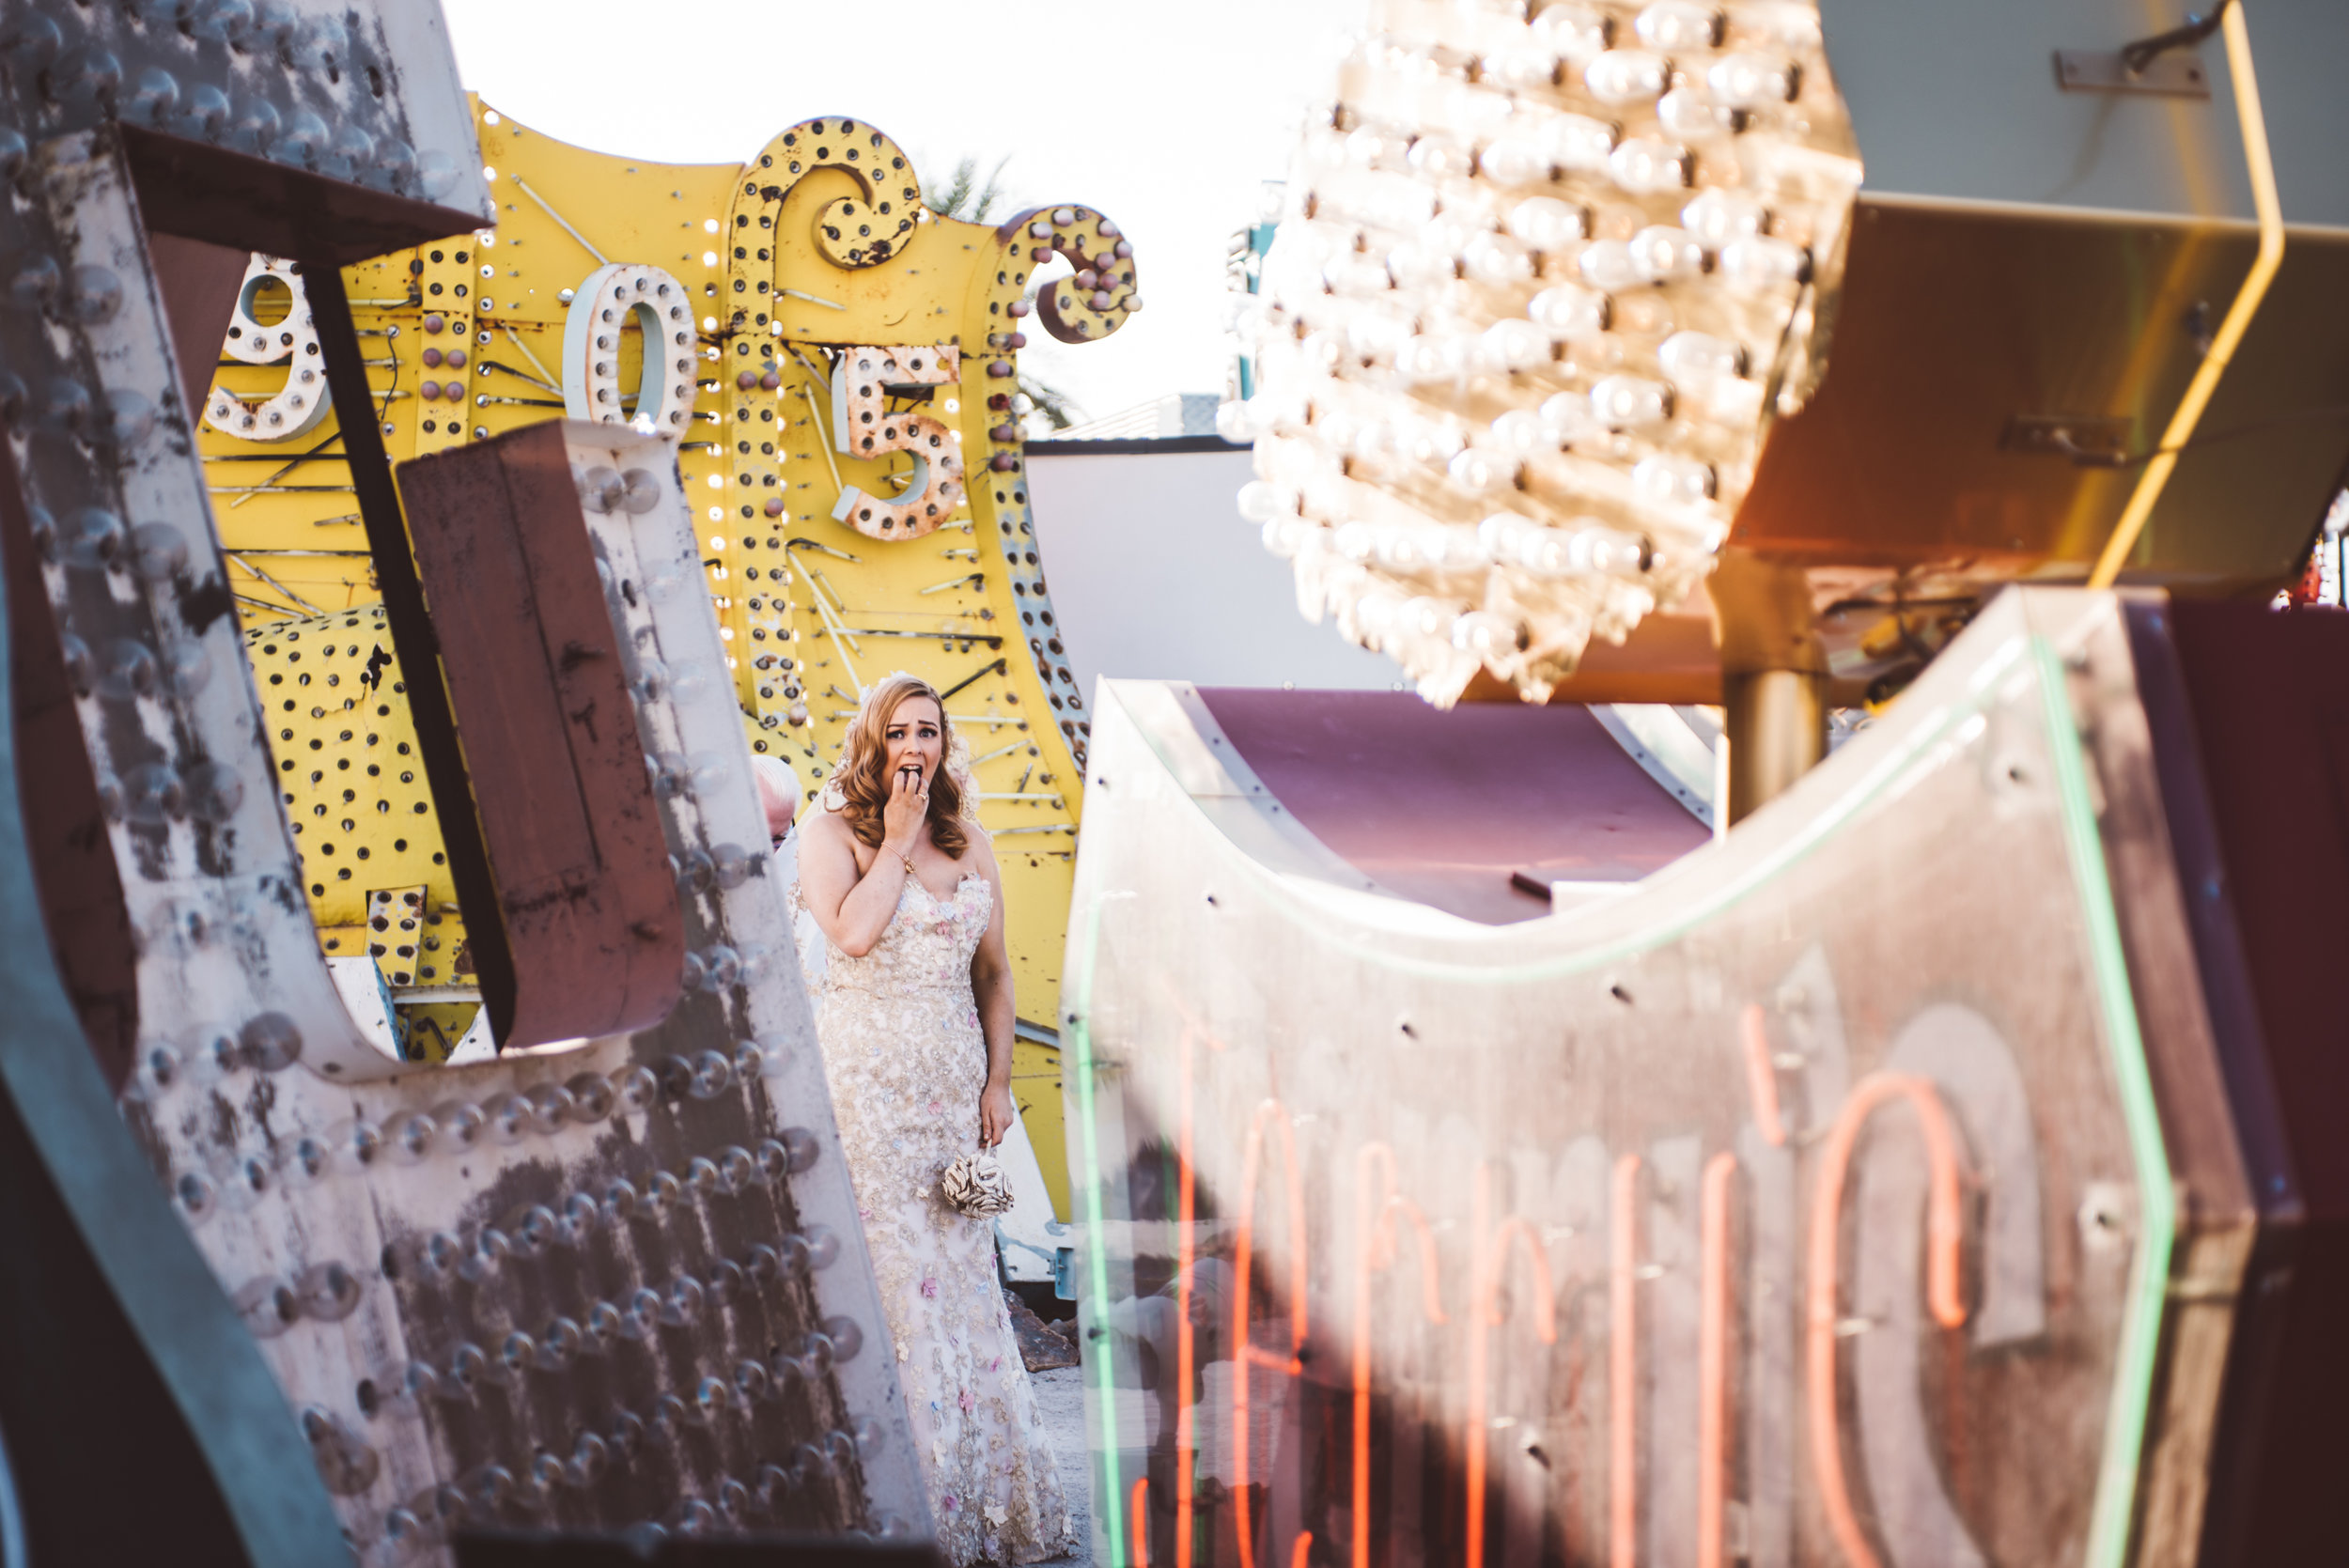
[{"x": 1543, "y": 278}]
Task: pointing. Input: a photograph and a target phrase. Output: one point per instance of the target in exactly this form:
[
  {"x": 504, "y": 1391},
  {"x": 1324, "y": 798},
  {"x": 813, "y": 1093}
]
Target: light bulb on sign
[
  {"x": 1483, "y": 472},
  {"x": 1262, "y": 502},
  {"x": 1574, "y": 32},
  {"x": 1679, "y": 24},
  {"x": 1690, "y": 113},
  {"x": 1371, "y": 149},
  {"x": 1440, "y": 158},
  {"x": 1375, "y": 440},
  {"x": 1548, "y": 224},
  {"x": 1607, "y": 265},
  {"x": 1717, "y": 217},
  {"x": 1695, "y": 361},
  {"x": 1511, "y": 162},
  {"x": 1661, "y": 253},
  {"x": 1576, "y": 141},
  {"x": 1627, "y": 76},
  {"x": 1419, "y": 265},
  {"x": 1570, "y": 312},
  {"x": 1491, "y": 638},
  {"x": 1644, "y": 166},
  {"x": 1496, "y": 258},
  {"x": 1749, "y": 81},
  {"x": 1630, "y": 402},
  {"x": 1523, "y": 431},
  {"x": 1674, "y": 481},
  {"x": 1515, "y": 346},
  {"x": 1758, "y": 263},
  {"x": 1523, "y": 68}
]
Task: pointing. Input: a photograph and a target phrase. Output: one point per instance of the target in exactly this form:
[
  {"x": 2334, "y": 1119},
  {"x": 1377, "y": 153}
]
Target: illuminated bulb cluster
[{"x": 1543, "y": 281}]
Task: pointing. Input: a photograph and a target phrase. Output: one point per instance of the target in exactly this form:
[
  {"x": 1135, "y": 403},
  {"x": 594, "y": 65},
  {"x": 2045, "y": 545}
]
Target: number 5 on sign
[{"x": 864, "y": 425}]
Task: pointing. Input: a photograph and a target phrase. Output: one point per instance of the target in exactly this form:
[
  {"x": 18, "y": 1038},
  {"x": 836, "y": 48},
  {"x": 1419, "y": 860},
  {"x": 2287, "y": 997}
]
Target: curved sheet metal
[
  {"x": 1649, "y": 1231},
  {"x": 1446, "y": 807}
]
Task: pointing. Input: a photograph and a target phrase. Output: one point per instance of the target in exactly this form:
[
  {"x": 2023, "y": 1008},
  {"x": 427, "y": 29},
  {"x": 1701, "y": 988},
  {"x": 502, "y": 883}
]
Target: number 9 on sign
[{"x": 302, "y": 402}]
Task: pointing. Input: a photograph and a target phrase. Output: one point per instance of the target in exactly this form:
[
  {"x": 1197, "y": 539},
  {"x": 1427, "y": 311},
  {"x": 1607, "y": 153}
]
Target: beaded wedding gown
[{"x": 906, "y": 1061}]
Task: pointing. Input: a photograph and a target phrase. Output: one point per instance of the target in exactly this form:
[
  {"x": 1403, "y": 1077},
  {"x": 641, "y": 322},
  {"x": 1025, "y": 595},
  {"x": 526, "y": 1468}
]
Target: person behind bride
[{"x": 913, "y": 1010}]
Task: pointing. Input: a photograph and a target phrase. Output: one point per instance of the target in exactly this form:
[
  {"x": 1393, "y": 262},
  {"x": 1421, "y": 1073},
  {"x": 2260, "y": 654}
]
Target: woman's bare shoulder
[
  {"x": 829, "y": 829},
  {"x": 983, "y": 851}
]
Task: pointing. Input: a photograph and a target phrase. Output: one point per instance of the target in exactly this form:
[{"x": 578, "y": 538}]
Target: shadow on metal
[{"x": 536, "y": 1548}]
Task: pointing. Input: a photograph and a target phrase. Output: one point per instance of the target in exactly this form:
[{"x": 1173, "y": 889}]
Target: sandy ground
[{"x": 1060, "y": 1398}]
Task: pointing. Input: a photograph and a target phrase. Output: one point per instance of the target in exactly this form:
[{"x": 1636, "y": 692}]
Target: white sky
[{"x": 1165, "y": 116}]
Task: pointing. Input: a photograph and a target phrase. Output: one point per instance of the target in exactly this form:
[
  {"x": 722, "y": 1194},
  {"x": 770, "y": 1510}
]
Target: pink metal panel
[{"x": 1443, "y": 807}]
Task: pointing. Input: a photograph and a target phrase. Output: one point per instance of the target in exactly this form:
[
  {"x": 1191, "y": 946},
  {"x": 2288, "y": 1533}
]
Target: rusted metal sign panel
[
  {"x": 615, "y": 1283},
  {"x": 1874, "y": 1186},
  {"x": 619, "y": 1283},
  {"x": 566, "y": 808}
]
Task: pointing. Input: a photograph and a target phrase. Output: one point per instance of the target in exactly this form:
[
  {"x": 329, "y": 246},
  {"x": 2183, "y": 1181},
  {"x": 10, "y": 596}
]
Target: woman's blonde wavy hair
[{"x": 864, "y": 778}]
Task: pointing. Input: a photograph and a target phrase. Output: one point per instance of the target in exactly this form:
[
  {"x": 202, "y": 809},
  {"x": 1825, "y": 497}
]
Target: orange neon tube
[
  {"x": 1268, "y": 1114},
  {"x": 1141, "y": 1523},
  {"x": 1761, "y": 1074},
  {"x": 1491, "y": 1261},
  {"x": 1713, "y": 1358},
  {"x": 1185, "y": 1349},
  {"x": 1623, "y": 1369},
  {"x": 1376, "y": 1210},
  {"x": 1944, "y": 1234}
]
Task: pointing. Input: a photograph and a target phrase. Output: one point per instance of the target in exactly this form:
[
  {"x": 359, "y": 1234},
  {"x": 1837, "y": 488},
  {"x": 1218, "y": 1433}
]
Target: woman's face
[{"x": 915, "y": 736}]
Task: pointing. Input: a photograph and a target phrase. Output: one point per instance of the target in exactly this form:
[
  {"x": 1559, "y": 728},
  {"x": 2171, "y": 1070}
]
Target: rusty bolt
[
  {"x": 774, "y": 505},
  {"x": 1003, "y": 432},
  {"x": 1003, "y": 462},
  {"x": 435, "y": 323},
  {"x": 772, "y": 379}
]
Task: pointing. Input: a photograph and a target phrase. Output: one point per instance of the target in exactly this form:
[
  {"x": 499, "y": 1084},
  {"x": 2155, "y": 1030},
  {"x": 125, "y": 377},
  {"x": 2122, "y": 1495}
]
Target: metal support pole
[{"x": 1775, "y": 727}]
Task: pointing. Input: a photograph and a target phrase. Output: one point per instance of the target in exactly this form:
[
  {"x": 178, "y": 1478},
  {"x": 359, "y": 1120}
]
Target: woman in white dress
[{"x": 914, "y": 1011}]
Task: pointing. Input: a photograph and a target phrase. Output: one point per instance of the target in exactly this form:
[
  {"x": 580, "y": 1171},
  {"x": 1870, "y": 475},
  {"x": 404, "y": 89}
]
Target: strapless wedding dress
[{"x": 906, "y": 1060}]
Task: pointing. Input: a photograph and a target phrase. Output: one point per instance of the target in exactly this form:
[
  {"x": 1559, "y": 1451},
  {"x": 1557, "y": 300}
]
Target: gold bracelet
[{"x": 908, "y": 860}]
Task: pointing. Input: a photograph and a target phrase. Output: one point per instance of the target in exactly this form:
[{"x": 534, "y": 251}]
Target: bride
[{"x": 914, "y": 1012}]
